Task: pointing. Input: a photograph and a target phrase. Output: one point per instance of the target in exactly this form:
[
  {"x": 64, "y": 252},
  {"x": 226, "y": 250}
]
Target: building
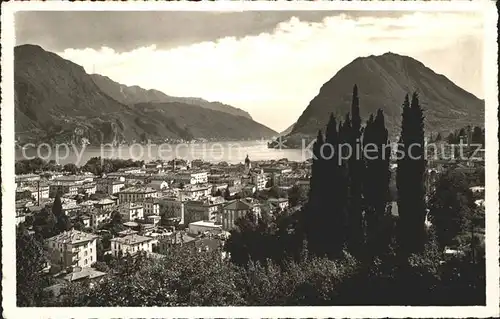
[
  {"x": 259, "y": 180},
  {"x": 63, "y": 189},
  {"x": 24, "y": 178},
  {"x": 131, "y": 170},
  {"x": 85, "y": 274},
  {"x": 205, "y": 209},
  {"x": 33, "y": 191},
  {"x": 219, "y": 188},
  {"x": 136, "y": 194},
  {"x": 88, "y": 189},
  {"x": 87, "y": 220},
  {"x": 477, "y": 190},
  {"x": 131, "y": 244},
  {"x": 110, "y": 185},
  {"x": 279, "y": 204},
  {"x": 236, "y": 209},
  {"x": 69, "y": 206},
  {"x": 202, "y": 226},
  {"x": 277, "y": 169},
  {"x": 195, "y": 192},
  {"x": 192, "y": 177},
  {"x": 176, "y": 238},
  {"x": 105, "y": 203},
  {"x": 72, "y": 249},
  {"x": 20, "y": 218},
  {"x": 159, "y": 185},
  {"x": 153, "y": 220},
  {"x": 131, "y": 211},
  {"x": 99, "y": 217},
  {"x": 73, "y": 179},
  {"x": 151, "y": 207}
]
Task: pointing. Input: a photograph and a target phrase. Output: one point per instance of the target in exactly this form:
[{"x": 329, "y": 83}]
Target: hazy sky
[{"x": 270, "y": 64}]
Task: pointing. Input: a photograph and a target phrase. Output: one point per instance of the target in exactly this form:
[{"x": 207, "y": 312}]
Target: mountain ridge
[
  {"x": 56, "y": 101},
  {"x": 135, "y": 94}
]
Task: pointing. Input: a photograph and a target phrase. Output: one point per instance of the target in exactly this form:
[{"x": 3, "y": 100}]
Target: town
[
  {"x": 151, "y": 207},
  {"x": 157, "y": 205}
]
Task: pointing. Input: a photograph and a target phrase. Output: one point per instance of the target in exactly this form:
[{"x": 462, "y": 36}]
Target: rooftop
[
  {"x": 73, "y": 237},
  {"x": 129, "y": 206},
  {"x": 105, "y": 201},
  {"x": 131, "y": 239},
  {"x": 138, "y": 190},
  {"x": 205, "y": 224},
  {"x": 239, "y": 204},
  {"x": 87, "y": 273}
]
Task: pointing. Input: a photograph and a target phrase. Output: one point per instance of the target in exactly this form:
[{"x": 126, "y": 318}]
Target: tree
[
  {"x": 44, "y": 223},
  {"x": 63, "y": 222},
  {"x": 376, "y": 183},
  {"x": 410, "y": 178},
  {"x": 30, "y": 260},
  {"x": 276, "y": 192},
  {"x": 477, "y": 135},
  {"x": 451, "y": 207},
  {"x": 227, "y": 194},
  {"x": 438, "y": 137},
  {"x": 296, "y": 196},
  {"x": 451, "y": 139},
  {"x": 71, "y": 168},
  {"x": 356, "y": 173}
]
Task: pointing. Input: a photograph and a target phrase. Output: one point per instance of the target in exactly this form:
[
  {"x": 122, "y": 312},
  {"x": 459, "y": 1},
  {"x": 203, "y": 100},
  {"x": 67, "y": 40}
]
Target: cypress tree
[
  {"x": 355, "y": 171},
  {"x": 376, "y": 186},
  {"x": 334, "y": 220},
  {"x": 62, "y": 221},
  {"x": 410, "y": 178},
  {"x": 313, "y": 214}
]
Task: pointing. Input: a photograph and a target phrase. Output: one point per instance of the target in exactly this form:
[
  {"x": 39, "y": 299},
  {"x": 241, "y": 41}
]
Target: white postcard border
[{"x": 492, "y": 184}]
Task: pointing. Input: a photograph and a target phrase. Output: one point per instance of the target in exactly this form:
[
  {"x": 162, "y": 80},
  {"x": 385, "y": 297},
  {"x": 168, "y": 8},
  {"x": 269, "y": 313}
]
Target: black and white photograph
[{"x": 296, "y": 158}]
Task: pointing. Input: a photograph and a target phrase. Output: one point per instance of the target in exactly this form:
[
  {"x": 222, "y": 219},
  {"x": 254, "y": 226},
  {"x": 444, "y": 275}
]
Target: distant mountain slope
[
  {"x": 383, "y": 82},
  {"x": 56, "y": 101},
  {"x": 135, "y": 94},
  {"x": 288, "y": 130}
]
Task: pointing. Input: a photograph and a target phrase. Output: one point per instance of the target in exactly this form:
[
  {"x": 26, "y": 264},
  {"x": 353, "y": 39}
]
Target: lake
[{"x": 231, "y": 152}]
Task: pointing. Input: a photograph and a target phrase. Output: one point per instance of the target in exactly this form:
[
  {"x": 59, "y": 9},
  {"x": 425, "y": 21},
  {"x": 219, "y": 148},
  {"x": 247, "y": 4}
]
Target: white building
[
  {"x": 131, "y": 244},
  {"x": 259, "y": 180},
  {"x": 192, "y": 177},
  {"x": 72, "y": 249},
  {"x": 131, "y": 170}
]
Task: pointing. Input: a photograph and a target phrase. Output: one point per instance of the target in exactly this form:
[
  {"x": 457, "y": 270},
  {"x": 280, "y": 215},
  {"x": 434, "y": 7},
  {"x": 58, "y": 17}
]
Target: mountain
[
  {"x": 382, "y": 83},
  {"x": 56, "y": 101},
  {"x": 288, "y": 130},
  {"x": 135, "y": 94}
]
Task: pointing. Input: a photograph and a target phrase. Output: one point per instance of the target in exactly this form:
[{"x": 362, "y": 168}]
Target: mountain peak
[
  {"x": 29, "y": 46},
  {"x": 28, "y": 49},
  {"x": 383, "y": 81}
]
